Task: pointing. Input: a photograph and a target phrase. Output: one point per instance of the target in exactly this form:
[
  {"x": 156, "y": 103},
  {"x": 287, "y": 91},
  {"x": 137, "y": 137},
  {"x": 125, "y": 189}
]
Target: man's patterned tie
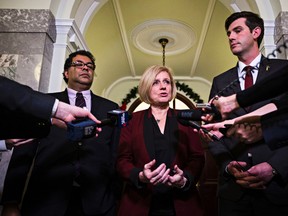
[{"x": 80, "y": 101}]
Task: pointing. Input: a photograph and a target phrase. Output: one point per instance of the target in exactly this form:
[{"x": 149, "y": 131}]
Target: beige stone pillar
[
  {"x": 26, "y": 46},
  {"x": 281, "y": 34}
]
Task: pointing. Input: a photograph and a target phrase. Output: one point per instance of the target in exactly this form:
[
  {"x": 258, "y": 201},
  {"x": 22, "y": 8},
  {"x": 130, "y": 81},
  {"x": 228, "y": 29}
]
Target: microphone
[
  {"x": 198, "y": 127},
  {"x": 118, "y": 118},
  {"x": 196, "y": 114},
  {"x": 85, "y": 128}
]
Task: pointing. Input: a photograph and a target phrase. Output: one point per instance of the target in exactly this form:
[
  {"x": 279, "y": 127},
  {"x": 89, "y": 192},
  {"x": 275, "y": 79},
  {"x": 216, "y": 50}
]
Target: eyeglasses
[{"x": 80, "y": 65}]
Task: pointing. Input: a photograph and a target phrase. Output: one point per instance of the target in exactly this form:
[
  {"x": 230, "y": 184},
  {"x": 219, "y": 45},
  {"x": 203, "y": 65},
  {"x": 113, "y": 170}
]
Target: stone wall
[{"x": 281, "y": 34}]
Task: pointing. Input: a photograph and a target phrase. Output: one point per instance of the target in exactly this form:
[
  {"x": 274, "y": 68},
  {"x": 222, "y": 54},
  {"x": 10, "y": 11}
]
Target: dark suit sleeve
[
  {"x": 24, "y": 113},
  {"x": 20, "y": 98},
  {"x": 274, "y": 128},
  {"x": 270, "y": 87},
  {"x": 15, "y": 125}
]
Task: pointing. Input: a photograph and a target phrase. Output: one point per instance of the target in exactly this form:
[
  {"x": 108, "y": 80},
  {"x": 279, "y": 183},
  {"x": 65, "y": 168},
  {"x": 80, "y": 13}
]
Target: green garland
[
  {"x": 180, "y": 86},
  {"x": 131, "y": 95},
  {"x": 189, "y": 92}
]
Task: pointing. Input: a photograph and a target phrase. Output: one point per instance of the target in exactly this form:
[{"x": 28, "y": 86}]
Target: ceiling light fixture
[
  {"x": 146, "y": 36},
  {"x": 163, "y": 42}
]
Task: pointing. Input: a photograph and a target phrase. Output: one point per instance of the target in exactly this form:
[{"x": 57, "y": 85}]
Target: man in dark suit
[
  {"x": 68, "y": 177},
  {"x": 271, "y": 127},
  {"x": 241, "y": 192},
  {"x": 267, "y": 88}
]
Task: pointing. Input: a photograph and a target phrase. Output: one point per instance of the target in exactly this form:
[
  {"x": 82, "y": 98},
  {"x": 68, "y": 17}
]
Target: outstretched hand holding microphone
[
  {"x": 85, "y": 127},
  {"x": 203, "y": 112}
]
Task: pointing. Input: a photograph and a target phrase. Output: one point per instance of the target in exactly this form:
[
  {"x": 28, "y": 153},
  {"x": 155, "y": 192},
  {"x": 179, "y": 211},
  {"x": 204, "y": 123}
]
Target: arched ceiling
[{"x": 123, "y": 35}]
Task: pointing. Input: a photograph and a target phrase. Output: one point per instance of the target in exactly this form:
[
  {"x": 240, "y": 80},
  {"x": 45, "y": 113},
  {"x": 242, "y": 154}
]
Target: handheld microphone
[
  {"x": 85, "y": 128},
  {"x": 198, "y": 127},
  {"x": 196, "y": 114},
  {"x": 118, "y": 118}
]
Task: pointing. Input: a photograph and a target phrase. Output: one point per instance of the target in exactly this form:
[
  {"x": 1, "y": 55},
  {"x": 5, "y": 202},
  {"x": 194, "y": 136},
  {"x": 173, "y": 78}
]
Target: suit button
[{"x": 80, "y": 143}]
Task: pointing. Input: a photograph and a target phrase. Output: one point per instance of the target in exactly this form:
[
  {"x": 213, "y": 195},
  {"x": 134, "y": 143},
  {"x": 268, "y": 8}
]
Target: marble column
[
  {"x": 281, "y": 34},
  {"x": 26, "y": 51},
  {"x": 26, "y": 46}
]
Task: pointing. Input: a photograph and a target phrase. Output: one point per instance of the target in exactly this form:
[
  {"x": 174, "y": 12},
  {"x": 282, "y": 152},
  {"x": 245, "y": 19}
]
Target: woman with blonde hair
[{"x": 159, "y": 159}]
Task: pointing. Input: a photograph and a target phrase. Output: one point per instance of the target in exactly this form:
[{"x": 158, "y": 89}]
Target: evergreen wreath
[{"x": 180, "y": 86}]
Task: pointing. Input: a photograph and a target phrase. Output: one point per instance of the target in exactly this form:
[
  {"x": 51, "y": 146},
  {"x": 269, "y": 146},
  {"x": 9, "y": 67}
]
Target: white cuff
[{"x": 55, "y": 106}]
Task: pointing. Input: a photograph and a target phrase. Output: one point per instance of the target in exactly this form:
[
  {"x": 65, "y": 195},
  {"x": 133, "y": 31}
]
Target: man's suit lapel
[
  {"x": 231, "y": 83},
  {"x": 62, "y": 96},
  {"x": 94, "y": 104},
  {"x": 264, "y": 69},
  {"x": 234, "y": 78}
]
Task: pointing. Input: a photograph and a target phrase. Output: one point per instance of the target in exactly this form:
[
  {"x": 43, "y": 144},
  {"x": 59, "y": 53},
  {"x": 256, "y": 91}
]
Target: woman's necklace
[{"x": 161, "y": 115}]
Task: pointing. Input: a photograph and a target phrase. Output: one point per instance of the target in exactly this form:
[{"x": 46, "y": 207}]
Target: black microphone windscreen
[
  {"x": 122, "y": 117},
  {"x": 194, "y": 115}
]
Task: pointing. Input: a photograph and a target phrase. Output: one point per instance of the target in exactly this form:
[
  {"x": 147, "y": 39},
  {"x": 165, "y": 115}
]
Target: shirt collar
[
  {"x": 72, "y": 93},
  {"x": 255, "y": 63}
]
